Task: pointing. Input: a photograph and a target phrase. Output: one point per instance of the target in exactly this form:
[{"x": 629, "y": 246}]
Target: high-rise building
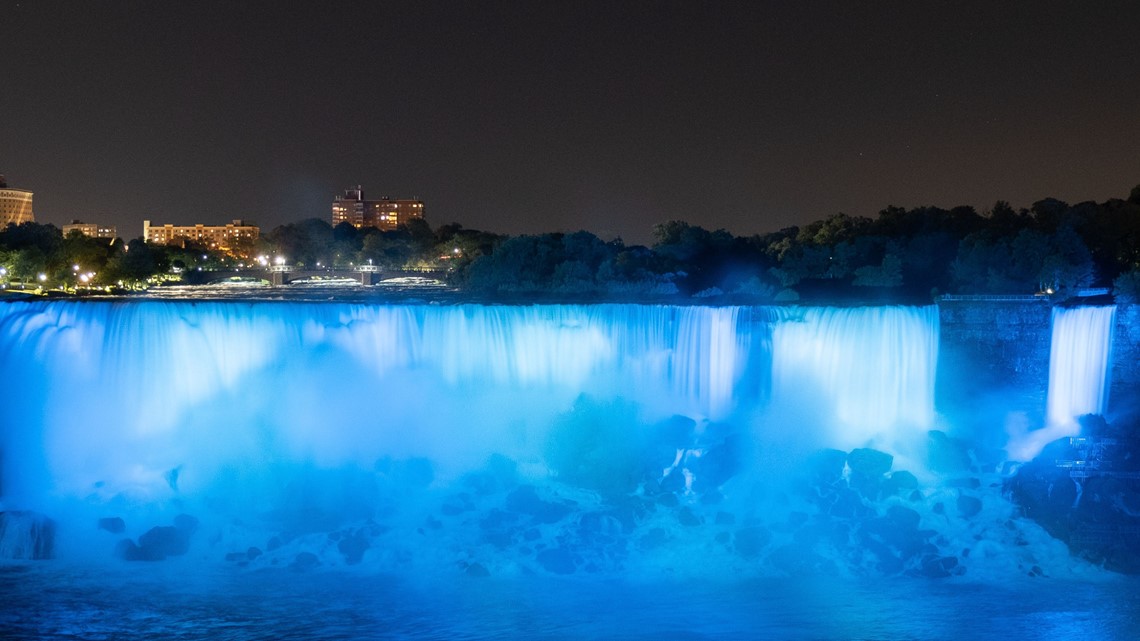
[
  {"x": 221, "y": 237},
  {"x": 15, "y": 205},
  {"x": 93, "y": 230},
  {"x": 386, "y": 213}
]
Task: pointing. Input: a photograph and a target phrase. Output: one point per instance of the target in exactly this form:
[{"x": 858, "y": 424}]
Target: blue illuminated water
[{"x": 425, "y": 471}]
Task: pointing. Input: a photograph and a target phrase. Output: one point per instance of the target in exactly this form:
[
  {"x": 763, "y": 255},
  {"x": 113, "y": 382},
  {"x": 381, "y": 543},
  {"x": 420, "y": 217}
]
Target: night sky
[{"x": 544, "y": 116}]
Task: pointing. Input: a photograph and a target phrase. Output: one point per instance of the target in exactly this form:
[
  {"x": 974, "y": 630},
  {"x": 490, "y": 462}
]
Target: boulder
[
  {"x": 304, "y": 561},
  {"x": 901, "y": 482},
  {"x": 826, "y": 466},
  {"x": 353, "y": 547},
  {"x": 477, "y": 570},
  {"x": 114, "y": 525},
  {"x": 869, "y": 462},
  {"x": 161, "y": 541},
  {"x": 969, "y": 506},
  {"x": 525, "y": 500}
]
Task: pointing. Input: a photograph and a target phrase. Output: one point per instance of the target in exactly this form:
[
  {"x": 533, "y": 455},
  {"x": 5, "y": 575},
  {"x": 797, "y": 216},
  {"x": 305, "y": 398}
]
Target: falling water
[
  {"x": 107, "y": 399},
  {"x": 1079, "y": 360},
  {"x": 871, "y": 368}
]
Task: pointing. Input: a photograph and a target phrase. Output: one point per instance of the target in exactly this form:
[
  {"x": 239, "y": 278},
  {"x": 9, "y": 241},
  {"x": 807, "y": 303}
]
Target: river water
[{"x": 53, "y": 601}]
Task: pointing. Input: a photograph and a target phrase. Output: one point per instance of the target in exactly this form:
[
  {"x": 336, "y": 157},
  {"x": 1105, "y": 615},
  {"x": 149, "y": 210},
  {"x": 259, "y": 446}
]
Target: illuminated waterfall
[
  {"x": 227, "y": 406},
  {"x": 1079, "y": 360},
  {"x": 870, "y": 370},
  {"x": 118, "y": 394}
]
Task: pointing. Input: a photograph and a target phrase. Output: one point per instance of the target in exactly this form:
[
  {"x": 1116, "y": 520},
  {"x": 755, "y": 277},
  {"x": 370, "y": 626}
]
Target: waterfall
[
  {"x": 111, "y": 396},
  {"x": 1079, "y": 360},
  {"x": 235, "y": 405},
  {"x": 869, "y": 371}
]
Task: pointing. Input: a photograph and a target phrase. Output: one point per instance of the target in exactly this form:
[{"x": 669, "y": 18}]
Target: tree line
[{"x": 901, "y": 254}]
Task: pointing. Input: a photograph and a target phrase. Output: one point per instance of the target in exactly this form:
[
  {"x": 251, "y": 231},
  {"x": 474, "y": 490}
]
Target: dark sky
[{"x": 544, "y": 115}]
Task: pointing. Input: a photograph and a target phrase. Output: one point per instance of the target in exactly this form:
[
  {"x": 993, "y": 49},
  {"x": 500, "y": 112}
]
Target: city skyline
[{"x": 516, "y": 118}]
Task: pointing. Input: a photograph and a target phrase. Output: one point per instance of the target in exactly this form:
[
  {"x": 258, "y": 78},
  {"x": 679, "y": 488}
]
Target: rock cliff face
[
  {"x": 1126, "y": 353},
  {"x": 1001, "y": 347},
  {"x": 1086, "y": 492}
]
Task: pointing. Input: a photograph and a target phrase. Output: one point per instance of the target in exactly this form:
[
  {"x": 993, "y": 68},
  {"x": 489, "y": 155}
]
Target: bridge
[{"x": 280, "y": 275}]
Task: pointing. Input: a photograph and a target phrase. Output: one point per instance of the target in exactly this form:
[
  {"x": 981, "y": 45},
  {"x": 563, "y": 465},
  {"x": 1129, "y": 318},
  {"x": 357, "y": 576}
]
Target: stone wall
[
  {"x": 1126, "y": 348},
  {"x": 989, "y": 345},
  {"x": 1007, "y": 339}
]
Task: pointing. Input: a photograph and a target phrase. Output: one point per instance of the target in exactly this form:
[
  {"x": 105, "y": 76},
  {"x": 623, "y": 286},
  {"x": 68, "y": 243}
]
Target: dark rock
[
  {"x": 477, "y": 570},
  {"x": 969, "y": 506},
  {"x": 687, "y": 518},
  {"x": 557, "y": 561},
  {"x": 869, "y": 462},
  {"x": 653, "y": 539},
  {"x": 273, "y": 543},
  {"x": 673, "y": 482},
  {"x": 234, "y": 557},
  {"x": 27, "y": 535},
  {"x": 849, "y": 504},
  {"x": 127, "y": 550},
  {"x": 868, "y": 469},
  {"x": 750, "y": 541},
  {"x": 717, "y": 465},
  {"x": 114, "y": 525},
  {"x": 162, "y": 541},
  {"x": 524, "y": 500},
  {"x": 894, "y": 538},
  {"x": 252, "y": 553},
  {"x": 826, "y": 466},
  {"x": 939, "y": 567},
  {"x": 304, "y": 561},
  {"x": 900, "y": 482},
  {"x": 353, "y": 547},
  {"x": 903, "y": 517},
  {"x": 669, "y": 499}
]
